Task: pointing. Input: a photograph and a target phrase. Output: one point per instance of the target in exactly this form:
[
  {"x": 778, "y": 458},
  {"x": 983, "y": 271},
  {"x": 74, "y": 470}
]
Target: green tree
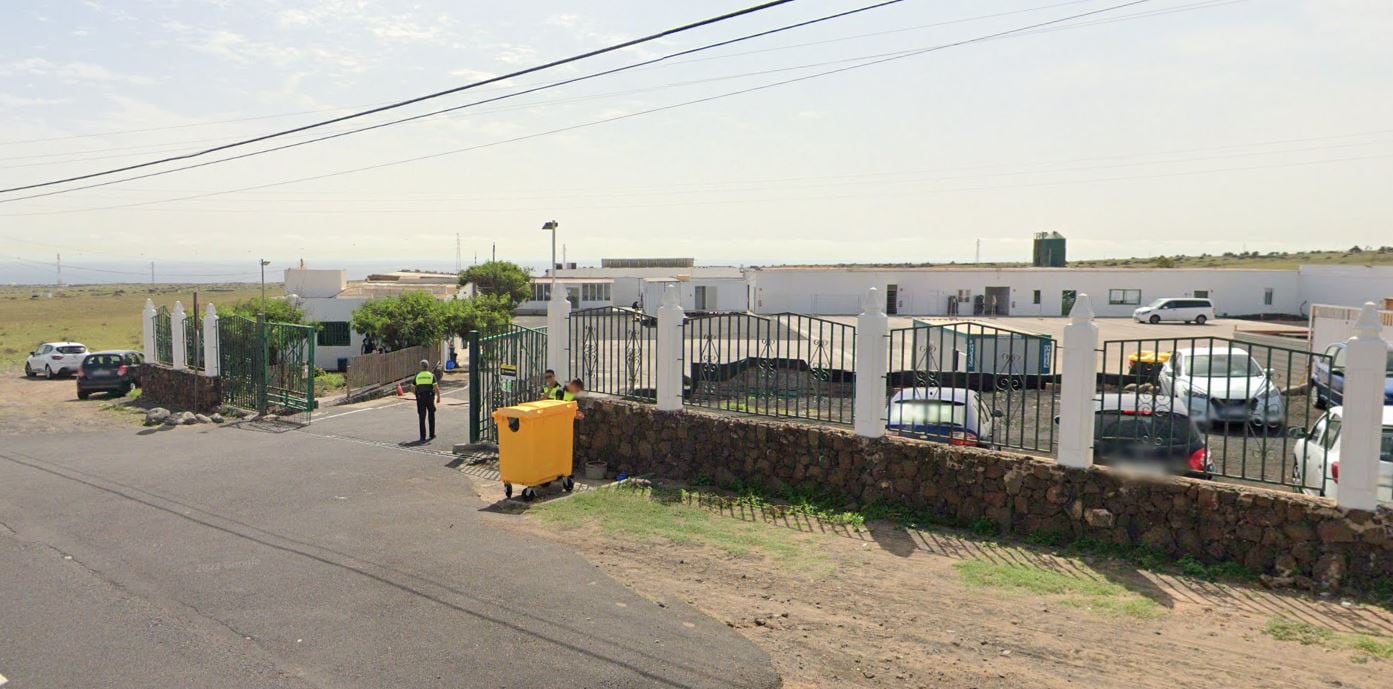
[
  {"x": 410, "y": 319},
  {"x": 1165, "y": 262},
  {"x": 276, "y": 310},
  {"x": 489, "y": 315},
  {"x": 499, "y": 279}
]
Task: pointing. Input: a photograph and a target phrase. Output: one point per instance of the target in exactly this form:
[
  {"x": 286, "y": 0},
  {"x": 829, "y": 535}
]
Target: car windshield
[
  {"x": 1161, "y": 428},
  {"x": 1157, "y": 304},
  {"x": 931, "y": 412},
  {"x": 1224, "y": 366},
  {"x": 103, "y": 360},
  {"x": 72, "y": 349}
]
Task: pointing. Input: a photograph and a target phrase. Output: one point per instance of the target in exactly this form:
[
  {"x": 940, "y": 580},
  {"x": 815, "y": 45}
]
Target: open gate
[
  {"x": 504, "y": 370},
  {"x": 266, "y": 367}
]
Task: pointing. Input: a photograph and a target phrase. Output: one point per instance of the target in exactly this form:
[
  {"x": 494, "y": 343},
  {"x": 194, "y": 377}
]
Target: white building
[
  {"x": 723, "y": 288},
  {"x": 328, "y": 298}
]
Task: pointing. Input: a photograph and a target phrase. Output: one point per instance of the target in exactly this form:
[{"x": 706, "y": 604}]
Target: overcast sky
[{"x": 1258, "y": 123}]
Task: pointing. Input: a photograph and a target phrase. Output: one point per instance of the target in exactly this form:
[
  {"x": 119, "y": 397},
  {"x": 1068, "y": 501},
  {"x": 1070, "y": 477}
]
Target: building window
[
  {"x": 1126, "y": 297},
  {"x": 541, "y": 291},
  {"x": 1267, "y": 296},
  {"x": 1035, "y": 297},
  {"x": 334, "y": 334},
  {"x": 1201, "y": 294},
  {"x": 597, "y": 292}
]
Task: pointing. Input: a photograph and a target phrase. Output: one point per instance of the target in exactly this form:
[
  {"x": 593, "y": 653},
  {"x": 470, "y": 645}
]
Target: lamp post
[
  {"x": 550, "y": 226},
  {"x": 264, "y": 263}
]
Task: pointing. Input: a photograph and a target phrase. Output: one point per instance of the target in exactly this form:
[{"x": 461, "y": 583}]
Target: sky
[{"x": 1171, "y": 126}]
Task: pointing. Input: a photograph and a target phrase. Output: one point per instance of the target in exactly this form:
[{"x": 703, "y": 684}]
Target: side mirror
[
  {"x": 996, "y": 414},
  {"x": 1296, "y": 433},
  {"x": 1056, "y": 420}
]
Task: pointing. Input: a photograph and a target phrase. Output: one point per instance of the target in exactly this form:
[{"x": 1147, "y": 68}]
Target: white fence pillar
[
  {"x": 872, "y": 360},
  {"x": 210, "y": 342},
  {"x": 558, "y": 332},
  {"x": 147, "y": 319},
  {"x": 1367, "y": 355},
  {"x": 668, "y": 358},
  {"x": 1077, "y": 382},
  {"x": 176, "y": 337}
]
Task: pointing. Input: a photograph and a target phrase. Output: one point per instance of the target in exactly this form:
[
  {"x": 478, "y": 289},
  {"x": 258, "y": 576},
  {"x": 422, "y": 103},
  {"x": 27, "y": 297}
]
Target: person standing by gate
[
  {"x": 427, "y": 395},
  {"x": 551, "y": 389}
]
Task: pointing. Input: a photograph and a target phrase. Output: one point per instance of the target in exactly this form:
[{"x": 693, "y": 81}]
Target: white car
[
  {"x": 1187, "y": 310},
  {"x": 1222, "y": 385},
  {"x": 55, "y": 359},
  {"x": 1316, "y": 456}
]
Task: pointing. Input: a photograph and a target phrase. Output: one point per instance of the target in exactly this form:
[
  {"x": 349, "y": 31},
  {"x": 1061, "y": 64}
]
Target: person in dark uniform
[{"x": 427, "y": 395}]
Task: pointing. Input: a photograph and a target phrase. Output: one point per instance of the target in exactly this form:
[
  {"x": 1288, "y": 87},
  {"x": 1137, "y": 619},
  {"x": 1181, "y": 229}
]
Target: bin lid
[
  {"x": 1150, "y": 357},
  {"x": 534, "y": 409}
]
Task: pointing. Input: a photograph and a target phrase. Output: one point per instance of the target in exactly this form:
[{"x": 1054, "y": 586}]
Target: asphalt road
[{"x": 327, "y": 557}]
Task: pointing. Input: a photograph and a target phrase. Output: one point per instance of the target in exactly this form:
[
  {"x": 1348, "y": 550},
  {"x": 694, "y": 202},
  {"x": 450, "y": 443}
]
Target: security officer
[
  {"x": 427, "y": 394},
  {"x": 572, "y": 391},
  {"x": 551, "y": 390}
]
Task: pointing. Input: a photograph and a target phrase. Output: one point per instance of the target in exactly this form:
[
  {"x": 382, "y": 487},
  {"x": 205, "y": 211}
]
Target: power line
[
  {"x": 418, "y": 99},
  {"x": 108, "y": 271},
  {"x": 762, "y": 87},
  {"x": 534, "y": 89}
]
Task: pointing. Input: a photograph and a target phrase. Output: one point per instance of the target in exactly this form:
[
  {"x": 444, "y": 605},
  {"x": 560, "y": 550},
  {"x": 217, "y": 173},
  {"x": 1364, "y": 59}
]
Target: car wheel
[
  {"x": 29, "y": 370},
  {"x": 83, "y": 394},
  {"x": 1154, "y": 320},
  {"x": 1199, "y": 320},
  {"x": 122, "y": 391},
  {"x": 48, "y": 372}
]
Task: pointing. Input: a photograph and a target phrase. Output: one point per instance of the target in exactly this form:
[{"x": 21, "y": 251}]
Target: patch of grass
[
  {"x": 1081, "y": 590},
  {"x": 640, "y": 513},
  {"x": 1364, "y": 646},
  {"x": 326, "y": 382},
  {"x": 984, "y": 527}
]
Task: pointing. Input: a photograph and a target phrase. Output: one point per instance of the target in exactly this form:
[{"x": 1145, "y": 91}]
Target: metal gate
[
  {"x": 612, "y": 350},
  {"x": 1244, "y": 397},
  {"x": 266, "y": 367},
  {"x": 504, "y": 370},
  {"x": 164, "y": 337}
]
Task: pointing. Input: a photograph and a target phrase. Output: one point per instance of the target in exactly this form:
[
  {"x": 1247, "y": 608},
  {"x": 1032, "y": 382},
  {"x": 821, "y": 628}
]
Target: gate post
[
  {"x": 147, "y": 318},
  {"x": 1078, "y": 380},
  {"x": 558, "y": 314},
  {"x": 1363, "y": 414},
  {"x": 262, "y": 369},
  {"x": 475, "y": 398},
  {"x": 179, "y": 345},
  {"x": 211, "y": 365},
  {"x": 872, "y": 355},
  {"x": 668, "y": 357}
]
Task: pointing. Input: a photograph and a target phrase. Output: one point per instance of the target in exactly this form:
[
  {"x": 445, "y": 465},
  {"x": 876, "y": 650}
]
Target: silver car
[{"x": 1223, "y": 385}]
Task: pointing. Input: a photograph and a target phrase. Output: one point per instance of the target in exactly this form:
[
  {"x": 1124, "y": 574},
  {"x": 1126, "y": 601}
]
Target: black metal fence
[
  {"x": 969, "y": 383},
  {"x": 612, "y": 350},
  {"x": 504, "y": 370},
  {"x": 786, "y": 365},
  {"x": 1252, "y": 405},
  {"x": 193, "y": 343},
  {"x": 164, "y": 337}
]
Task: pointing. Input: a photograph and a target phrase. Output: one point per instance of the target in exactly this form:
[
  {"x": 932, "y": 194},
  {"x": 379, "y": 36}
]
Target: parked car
[
  {"x": 55, "y": 359},
  {"x": 1328, "y": 377},
  {"x": 1316, "y": 456},
  {"x": 1195, "y": 311},
  {"x": 114, "y": 371},
  {"x": 956, "y": 416},
  {"x": 1222, "y": 385},
  {"x": 1146, "y": 433}
]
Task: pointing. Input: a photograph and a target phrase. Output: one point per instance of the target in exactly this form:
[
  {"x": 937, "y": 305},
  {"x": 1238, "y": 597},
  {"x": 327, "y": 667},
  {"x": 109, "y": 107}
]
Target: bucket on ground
[{"x": 535, "y": 442}]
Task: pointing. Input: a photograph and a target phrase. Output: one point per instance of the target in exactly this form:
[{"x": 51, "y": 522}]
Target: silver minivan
[{"x": 1187, "y": 310}]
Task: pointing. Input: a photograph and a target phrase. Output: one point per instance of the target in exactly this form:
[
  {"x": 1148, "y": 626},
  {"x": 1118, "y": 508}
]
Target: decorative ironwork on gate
[
  {"x": 612, "y": 351},
  {"x": 785, "y": 365},
  {"x": 971, "y": 383},
  {"x": 508, "y": 370},
  {"x": 267, "y": 367},
  {"x": 193, "y": 343}
]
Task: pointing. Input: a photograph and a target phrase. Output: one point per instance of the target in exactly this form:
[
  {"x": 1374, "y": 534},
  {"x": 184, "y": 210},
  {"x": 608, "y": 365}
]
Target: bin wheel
[
  {"x": 568, "y": 484},
  {"x": 507, "y": 490},
  {"x": 529, "y": 495}
]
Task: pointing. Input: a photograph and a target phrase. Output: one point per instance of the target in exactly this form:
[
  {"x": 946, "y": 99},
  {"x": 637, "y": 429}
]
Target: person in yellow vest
[
  {"x": 427, "y": 395},
  {"x": 551, "y": 390},
  {"x": 571, "y": 392}
]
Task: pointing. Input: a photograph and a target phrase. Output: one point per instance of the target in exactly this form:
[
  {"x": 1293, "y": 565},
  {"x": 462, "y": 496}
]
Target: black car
[
  {"x": 1144, "y": 433},
  {"x": 113, "y": 372}
]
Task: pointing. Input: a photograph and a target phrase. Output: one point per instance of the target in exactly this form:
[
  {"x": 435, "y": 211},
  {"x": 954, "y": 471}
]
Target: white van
[{"x": 1195, "y": 311}]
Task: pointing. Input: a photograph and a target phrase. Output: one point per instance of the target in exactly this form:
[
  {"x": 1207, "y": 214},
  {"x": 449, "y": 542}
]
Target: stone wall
[
  {"x": 180, "y": 390},
  {"x": 1283, "y": 534}
]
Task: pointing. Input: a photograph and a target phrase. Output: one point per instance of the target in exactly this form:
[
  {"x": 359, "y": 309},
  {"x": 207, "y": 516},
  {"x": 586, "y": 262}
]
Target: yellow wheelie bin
[
  {"x": 535, "y": 441},
  {"x": 1147, "y": 364}
]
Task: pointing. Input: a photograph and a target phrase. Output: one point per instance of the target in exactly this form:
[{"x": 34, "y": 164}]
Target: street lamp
[
  {"x": 550, "y": 226},
  {"x": 264, "y": 263}
]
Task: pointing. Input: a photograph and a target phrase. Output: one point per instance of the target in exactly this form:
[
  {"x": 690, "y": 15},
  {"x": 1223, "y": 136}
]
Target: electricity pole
[
  {"x": 152, "y": 275},
  {"x": 60, "y": 271},
  {"x": 459, "y": 261}
]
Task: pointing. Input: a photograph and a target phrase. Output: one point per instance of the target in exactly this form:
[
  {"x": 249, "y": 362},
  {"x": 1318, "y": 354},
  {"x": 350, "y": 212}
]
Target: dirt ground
[
  {"x": 889, "y": 607},
  {"x": 38, "y": 405}
]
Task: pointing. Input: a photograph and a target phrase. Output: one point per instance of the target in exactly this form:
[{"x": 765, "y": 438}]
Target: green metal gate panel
[
  {"x": 504, "y": 370},
  {"x": 164, "y": 337},
  {"x": 266, "y": 367}
]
